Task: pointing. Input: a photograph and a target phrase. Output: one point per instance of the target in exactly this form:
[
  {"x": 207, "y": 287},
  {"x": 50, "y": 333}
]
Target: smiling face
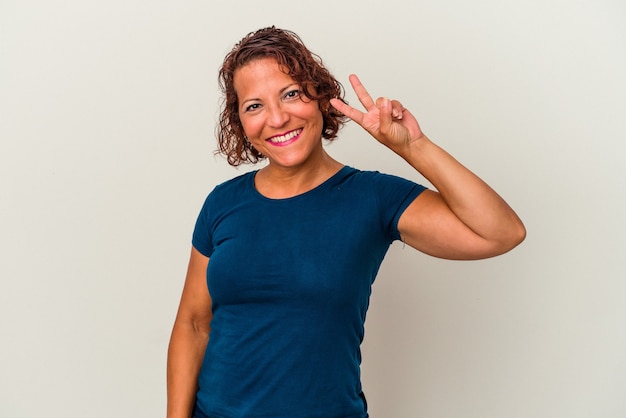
[{"x": 276, "y": 116}]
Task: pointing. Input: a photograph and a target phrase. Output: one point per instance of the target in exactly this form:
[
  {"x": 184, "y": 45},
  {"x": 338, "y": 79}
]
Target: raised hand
[{"x": 386, "y": 120}]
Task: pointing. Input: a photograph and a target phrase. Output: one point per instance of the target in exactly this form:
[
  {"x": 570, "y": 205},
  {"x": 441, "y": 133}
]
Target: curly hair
[{"x": 305, "y": 67}]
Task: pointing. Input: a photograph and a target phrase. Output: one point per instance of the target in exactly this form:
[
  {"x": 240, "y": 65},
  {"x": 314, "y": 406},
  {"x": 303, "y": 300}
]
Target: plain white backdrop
[{"x": 107, "y": 115}]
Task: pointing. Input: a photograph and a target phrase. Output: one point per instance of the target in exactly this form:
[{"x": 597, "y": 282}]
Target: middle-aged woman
[{"x": 272, "y": 325}]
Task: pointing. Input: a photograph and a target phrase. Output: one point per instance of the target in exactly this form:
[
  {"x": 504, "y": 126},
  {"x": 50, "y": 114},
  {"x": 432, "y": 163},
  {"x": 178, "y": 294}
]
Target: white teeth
[{"x": 286, "y": 137}]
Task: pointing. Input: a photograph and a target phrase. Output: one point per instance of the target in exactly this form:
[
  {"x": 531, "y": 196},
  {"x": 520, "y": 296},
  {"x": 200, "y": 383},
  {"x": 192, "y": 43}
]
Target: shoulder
[
  {"x": 236, "y": 182},
  {"x": 233, "y": 186},
  {"x": 222, "y": 195},
  {"x": 376, "y": 180}
]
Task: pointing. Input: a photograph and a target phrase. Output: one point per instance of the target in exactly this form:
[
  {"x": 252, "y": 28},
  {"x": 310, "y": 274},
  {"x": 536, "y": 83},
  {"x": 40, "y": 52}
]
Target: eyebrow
[{"x": 281, "y": 91}]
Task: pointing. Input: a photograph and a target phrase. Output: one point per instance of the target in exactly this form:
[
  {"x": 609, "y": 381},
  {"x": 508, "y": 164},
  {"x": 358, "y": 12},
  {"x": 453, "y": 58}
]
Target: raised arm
[
  {"x": 464, "y": 218},
  {"x": 189, "y": 339}
]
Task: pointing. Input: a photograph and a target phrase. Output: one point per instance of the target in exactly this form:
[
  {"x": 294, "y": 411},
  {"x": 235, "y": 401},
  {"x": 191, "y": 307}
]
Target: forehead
[{"x": 259, "y": 72}]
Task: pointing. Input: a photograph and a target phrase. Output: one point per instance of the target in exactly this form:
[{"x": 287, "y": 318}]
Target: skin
[{"x": 463, "y": 219}]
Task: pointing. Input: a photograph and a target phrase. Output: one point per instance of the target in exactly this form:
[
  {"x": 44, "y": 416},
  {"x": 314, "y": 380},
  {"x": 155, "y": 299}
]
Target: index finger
[
  {"x": 346, "y": 109},
  {"x": 361, "y": 92}
]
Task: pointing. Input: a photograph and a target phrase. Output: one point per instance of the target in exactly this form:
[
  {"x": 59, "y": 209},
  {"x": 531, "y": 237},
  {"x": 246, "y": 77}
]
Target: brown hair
[{"x": 302, "y": 65}]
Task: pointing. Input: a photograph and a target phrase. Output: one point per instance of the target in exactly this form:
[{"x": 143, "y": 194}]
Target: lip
[{"x": 296, "y": 135}]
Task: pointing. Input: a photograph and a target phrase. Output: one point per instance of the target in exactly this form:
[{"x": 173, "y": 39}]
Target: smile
[{"x": 285, "y": 139}]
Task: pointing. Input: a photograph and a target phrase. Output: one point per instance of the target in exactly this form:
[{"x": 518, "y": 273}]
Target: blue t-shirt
[{"x": 290, "y": 280}]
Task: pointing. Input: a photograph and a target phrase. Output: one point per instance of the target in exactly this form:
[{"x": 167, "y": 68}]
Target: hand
[{"x": 386, "y": 120}]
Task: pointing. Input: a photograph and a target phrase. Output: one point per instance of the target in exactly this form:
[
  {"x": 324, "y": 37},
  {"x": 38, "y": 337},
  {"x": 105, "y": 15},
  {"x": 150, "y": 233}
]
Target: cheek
[
  {"x": 312, "y": 113},
  {"x": 249, "y": 127},
  {"x": 320, "y": 118}
]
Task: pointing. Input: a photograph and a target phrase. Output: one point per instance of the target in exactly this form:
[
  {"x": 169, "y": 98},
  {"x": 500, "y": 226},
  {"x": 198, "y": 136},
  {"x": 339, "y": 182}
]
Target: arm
[
  {"x": 189, "y": 339},
  {"x": 464, "y": 218}
]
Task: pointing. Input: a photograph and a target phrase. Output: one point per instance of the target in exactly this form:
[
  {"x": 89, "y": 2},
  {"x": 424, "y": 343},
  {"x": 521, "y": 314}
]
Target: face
[{"x": 279, "y": 121}]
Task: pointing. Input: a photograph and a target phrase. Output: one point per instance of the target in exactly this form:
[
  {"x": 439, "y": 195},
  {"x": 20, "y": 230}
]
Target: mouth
[{"x": 285, "y": 139}]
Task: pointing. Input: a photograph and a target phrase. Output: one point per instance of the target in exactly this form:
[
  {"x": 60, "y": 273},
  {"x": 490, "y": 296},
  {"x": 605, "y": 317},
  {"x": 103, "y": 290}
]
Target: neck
[{"x": 279, "y": 182}]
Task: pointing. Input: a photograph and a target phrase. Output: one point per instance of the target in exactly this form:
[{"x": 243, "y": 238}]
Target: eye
[
  {"x": 252, "y": 107},
  {"x": 292, "y": 94}
]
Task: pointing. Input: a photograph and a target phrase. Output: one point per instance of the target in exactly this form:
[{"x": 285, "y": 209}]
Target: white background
[{"x": 107, "y": 115}]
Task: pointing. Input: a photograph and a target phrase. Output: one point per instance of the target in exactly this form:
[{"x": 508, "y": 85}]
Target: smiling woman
[
  {"x": 303, "y": 67},
  {"x": 279, "y": 335}
]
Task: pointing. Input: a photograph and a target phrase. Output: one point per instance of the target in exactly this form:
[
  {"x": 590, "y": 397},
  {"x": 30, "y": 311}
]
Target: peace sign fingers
[
  {"x": 368, "y": 119},
  {"x": 386, "y": 120}
]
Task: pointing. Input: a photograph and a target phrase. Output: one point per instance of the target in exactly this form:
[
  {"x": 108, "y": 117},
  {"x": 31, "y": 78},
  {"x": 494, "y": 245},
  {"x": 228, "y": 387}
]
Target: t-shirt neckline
[{"x": 329, "y": 182}]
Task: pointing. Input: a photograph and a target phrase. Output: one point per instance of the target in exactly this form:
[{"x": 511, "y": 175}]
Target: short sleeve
[
  {"x": 394, "y": 195},
  {"x": 202, "y": 239}
]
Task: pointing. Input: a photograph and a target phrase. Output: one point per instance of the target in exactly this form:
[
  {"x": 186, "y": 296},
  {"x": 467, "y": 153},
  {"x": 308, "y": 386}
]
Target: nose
[{"x": 277, "y": 116}]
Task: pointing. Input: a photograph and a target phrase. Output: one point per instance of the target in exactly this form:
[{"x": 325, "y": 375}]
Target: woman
[{"x": 296, "y": 245}]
